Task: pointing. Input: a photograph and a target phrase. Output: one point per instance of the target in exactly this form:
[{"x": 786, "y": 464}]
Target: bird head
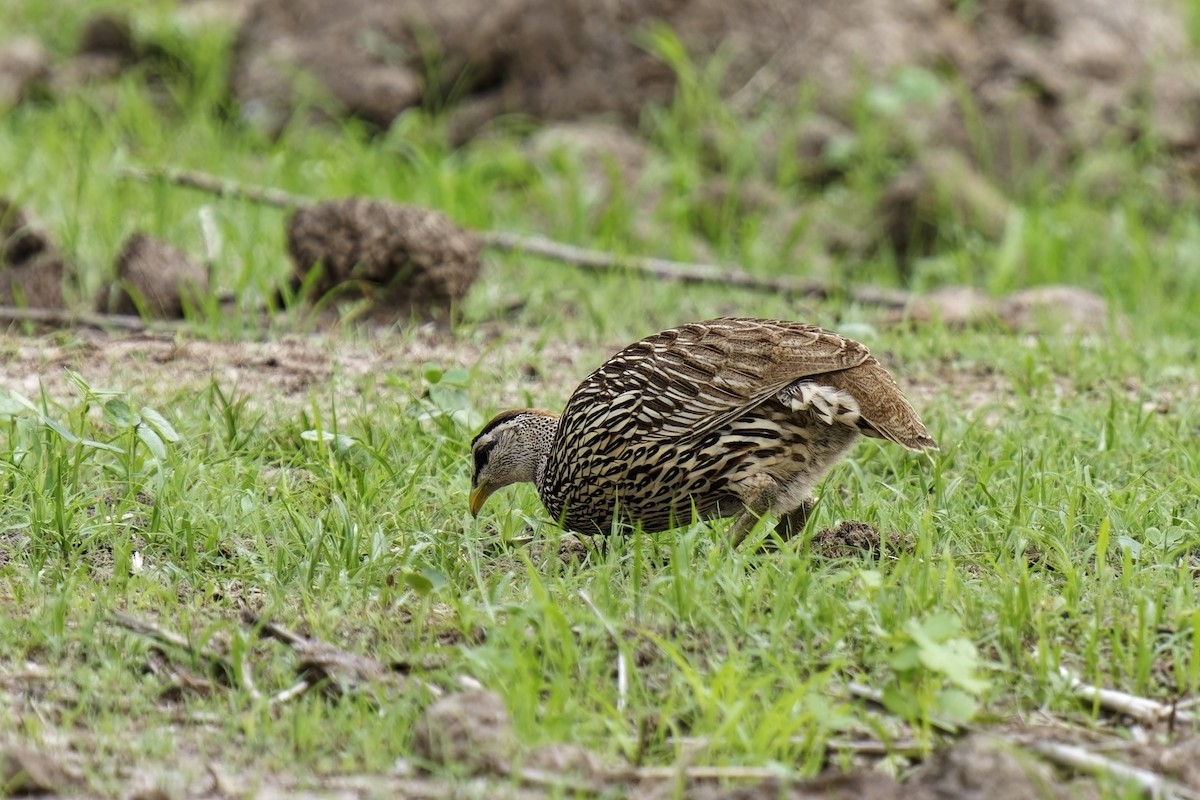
[{"x": 510, "y": 449}]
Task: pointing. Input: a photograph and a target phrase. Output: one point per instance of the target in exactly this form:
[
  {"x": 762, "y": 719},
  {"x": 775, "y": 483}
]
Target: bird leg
[
  {"x": 758, "y": 495},
  {"x": 792, "y": 522}
]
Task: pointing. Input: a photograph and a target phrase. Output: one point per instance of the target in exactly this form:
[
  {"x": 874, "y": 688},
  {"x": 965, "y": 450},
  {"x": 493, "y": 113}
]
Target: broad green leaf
[
  {"x": 457, "y": 376},
  {"x": 118, "y": 413},
  {"x": 941, "y": 626},
  {"x": 418, "y": 582},
  {"x": 95, "y": 445},
  {"x": 164, "y": 428},
  {"x": 906, "y": 658},
  {"x": 152, "y": 441},
  {"x": 871, "y": 578},
  {"x": 955, "y": 705},
  {"x": 61, "y": 430},
  {"x": 436, "y": 579},
  {"x": 955, "y": 659},
  {"x": 899, "y": 702}
]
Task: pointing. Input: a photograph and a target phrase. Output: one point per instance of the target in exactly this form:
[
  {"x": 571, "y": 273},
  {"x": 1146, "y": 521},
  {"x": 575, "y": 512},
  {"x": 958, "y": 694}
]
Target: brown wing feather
[
  {"x": 882, "y": 405},
  {"x": 686, "y": 381}
]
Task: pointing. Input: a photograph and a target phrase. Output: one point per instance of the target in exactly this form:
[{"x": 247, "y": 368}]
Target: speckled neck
[{"x": 538, "y": 435}]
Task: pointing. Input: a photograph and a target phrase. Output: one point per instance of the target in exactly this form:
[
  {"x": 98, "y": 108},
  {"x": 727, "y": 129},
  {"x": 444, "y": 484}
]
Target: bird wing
[
  {"x": 885, "y": 411},
  {"x": 686, "y": 381}
]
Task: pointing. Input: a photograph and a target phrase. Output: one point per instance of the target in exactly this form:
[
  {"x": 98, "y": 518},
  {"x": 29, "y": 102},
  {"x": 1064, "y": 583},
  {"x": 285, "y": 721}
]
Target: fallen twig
[
  {"x": 706, "y": 773},
  {"x": 181, "y": 679},
  {"x": 592, "y": 260},
  {"x": 290, "y": 693},
  {"x": 548, "y": 779},
  {"x": 875, "y": 697},
  {"x": 864, "y": 747},
  {"x": 1142, "y": 709},
  {"x": 156, "y": 633},
  {"x": 864, "y": 692},
  {"x": 872, "y": 747},
  {"x": 66, "y": 317},
  {"x": 322, "y": 664},
  {"x": 1081, "y": 760},
  {"x": 212, "y": 184},
  {"x": 685, "y": 272},
  {"x": 217, "y": 663}
]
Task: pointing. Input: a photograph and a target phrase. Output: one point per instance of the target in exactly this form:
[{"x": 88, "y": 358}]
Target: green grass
[{"x": 1058, "y": 525}]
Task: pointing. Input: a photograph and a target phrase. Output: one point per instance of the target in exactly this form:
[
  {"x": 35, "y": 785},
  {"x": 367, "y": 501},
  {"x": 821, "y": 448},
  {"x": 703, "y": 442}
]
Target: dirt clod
[
  {"x": 980, "y": 768},
  {"x": 469, "y": 730},
  {"x": 406, "y": 261},
  {"x": 26, "y": 773},
  {"x": 106, "y": 48},
  {"x": 154, "y": 278},
  {"x": 953, "y": 306},
  {"x": 108, "y": 34},
  {"x": 565, "y": 759},
  {"x": 24, "y": 64},
  {"x": 1066, "y": 308},
  {"x": 941, "y": 188},
  {"x": 31, "y": 271},
  {"x": 853, "y": 538},
  {"x": 21, "y": 239},
  {"x": 1036, "y": 310}
]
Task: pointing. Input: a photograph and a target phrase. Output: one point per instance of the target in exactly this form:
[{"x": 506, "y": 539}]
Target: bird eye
[{"x": 481, "y": 459}]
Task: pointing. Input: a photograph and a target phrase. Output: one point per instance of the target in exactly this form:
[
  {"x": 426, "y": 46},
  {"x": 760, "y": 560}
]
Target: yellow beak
[{"x": 479, "y": 496}]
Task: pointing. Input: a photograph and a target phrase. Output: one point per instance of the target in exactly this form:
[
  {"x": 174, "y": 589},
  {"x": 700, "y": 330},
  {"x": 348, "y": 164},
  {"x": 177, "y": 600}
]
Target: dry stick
[
  {"x": 863, "y": 747},
  {"x": 312, "y": 646},
  {"x": 870, "y": 747},
  {"x": 66, "y": 317},
  {"x": 874, "y": 696},
  {"x": 169, "y": 638},
  {"x": 218, "y": 186},
  {"x": 1081, "y": 760},
  {"x": 554, "y": 780},
  {"x": 156, "y": 633},
  {"x": 684, "y": 272},
  {"x": 702, "y": 773},
  {"x": 864, "y": 692},
  {"x": 1142, "y": 709},
  {"x": 290, "y": 693},
  {"x": 593, "y": 260}
]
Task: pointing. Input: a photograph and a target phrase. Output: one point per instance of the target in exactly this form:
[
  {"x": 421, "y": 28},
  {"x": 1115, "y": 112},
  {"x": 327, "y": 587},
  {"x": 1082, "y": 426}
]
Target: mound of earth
[
  {"x": 31, "y": 269},
  {"x": 1046, "y": 78},
  {"x": 154, "y": 278},
  {"x": 404, "y": 261},
  {"x": 107, "y": 48}
]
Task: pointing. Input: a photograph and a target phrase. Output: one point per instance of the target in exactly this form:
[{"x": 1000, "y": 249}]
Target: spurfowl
[{"x": 729, "y": 416}]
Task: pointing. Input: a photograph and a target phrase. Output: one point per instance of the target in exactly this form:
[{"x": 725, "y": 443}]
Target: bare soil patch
[{"x": 283, "y": 373}]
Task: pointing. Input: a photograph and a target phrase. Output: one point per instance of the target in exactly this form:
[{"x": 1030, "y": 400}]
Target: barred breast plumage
[{"x": 729, "y": 416}]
